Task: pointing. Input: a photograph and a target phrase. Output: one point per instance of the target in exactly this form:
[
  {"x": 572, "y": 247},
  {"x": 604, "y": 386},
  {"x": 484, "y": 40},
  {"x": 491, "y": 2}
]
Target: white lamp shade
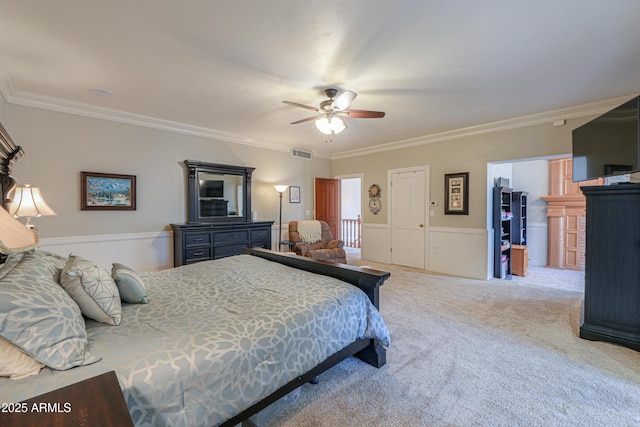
[
  {"x": 28, "y": 202},
  {"x": 14, "y": 236},
  {"x": 330, "y": 125},
  {"x": 281, "y": 188}
]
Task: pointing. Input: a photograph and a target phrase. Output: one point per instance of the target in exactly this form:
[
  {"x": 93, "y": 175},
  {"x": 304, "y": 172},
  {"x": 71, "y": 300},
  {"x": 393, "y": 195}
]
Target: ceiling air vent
[{"x": 296, "y": 152}]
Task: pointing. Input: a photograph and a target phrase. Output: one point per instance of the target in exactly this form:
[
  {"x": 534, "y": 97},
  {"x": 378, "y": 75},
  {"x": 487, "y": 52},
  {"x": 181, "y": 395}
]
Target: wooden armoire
[{"x": 566, "y": 207}]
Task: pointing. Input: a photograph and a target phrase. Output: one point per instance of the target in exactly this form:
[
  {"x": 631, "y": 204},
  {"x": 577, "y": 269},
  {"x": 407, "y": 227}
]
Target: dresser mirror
[{"x": 218, "y": 193}]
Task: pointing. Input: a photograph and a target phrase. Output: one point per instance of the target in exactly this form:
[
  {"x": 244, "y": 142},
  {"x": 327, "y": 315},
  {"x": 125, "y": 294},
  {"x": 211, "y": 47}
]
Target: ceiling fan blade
[
  {"x": 295, "y": 104},
  {"x": 304, "y": 120},
  {"x": 344, "y": 100},
  {"x": 363, "y": 114}
]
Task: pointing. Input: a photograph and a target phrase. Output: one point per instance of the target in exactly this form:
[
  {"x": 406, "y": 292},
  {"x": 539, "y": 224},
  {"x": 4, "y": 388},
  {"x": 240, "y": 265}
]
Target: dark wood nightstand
[{"x": 97, "y": 401}]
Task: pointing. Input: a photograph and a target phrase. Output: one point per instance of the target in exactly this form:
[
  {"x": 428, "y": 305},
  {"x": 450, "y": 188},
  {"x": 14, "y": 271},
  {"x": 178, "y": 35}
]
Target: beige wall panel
[
  {"x": 58, "y": 146},
  {"x": 460, "y": 155}
]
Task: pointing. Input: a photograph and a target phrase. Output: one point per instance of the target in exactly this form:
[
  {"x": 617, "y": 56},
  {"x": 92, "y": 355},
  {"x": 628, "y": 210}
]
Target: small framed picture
[
  {"x": 294, "y": 194},
  {"x": 108, "y": 191},
  {"x": 456, "y": 190}
]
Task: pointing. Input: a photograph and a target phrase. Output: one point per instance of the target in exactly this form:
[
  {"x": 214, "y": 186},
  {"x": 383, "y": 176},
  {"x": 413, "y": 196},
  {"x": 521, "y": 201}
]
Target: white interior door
[{"x": 408, "y": 218}]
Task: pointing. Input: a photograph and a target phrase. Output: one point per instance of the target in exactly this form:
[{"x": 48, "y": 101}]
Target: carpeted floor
[{"x": 478, "y": 353}]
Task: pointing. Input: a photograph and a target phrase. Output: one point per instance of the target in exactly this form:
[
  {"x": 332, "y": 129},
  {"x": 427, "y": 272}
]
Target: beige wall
[
  {"x": 468, "y": 154},
  {"x": 59, "y": 146}
]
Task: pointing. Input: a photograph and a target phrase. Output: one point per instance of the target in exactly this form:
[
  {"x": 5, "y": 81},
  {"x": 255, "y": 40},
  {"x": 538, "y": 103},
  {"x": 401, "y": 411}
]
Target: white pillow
[
  {"x": 14, "y": 363},
  {"x": 92, "y": 288}
]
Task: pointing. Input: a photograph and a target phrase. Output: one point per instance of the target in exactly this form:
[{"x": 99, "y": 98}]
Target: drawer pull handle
[
  {"x": 198, "y": 253},
  {"x": 199, "y": 239}
]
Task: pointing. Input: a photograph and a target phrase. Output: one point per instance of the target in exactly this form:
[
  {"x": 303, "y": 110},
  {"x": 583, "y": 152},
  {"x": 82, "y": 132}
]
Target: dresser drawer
[
  {"x": 201, "y": 242},
  {"x": 192, "y": 239},
  {"x": 260, "y": 235},
  {"x": 224, "y": 251},
  {"x": 226, "y": 237},
  {"x": 200, "y": 254}
]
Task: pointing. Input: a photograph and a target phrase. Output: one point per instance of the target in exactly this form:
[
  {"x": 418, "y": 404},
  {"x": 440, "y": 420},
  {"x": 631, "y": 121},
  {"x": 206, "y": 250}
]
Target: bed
[{"x": 218, "y": 340}]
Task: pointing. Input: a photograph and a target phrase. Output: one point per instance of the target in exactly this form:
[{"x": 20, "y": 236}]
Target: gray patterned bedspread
[{"x": 218, "y": 336}]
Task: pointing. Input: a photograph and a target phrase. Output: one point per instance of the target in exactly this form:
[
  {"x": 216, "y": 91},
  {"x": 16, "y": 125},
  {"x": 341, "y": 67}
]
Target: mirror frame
[{"x": 194, "y": 167}]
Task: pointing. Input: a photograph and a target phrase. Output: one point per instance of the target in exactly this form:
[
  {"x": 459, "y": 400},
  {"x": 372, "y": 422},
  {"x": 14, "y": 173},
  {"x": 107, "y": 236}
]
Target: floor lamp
[{"x": 280, "y": 189}]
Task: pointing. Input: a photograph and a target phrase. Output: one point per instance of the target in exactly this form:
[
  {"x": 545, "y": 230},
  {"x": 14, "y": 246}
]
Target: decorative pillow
[
  {"x": 130, "y": 285},
  {"x": 37, "y": 315},
  {"x": 14, "y": 363},
  {"x": 92, "y": 288}
]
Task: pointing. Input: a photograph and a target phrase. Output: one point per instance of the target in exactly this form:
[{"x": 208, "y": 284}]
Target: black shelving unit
[
  {"x": 519, "y": 222},
  {"x": 502, "y": 232}
]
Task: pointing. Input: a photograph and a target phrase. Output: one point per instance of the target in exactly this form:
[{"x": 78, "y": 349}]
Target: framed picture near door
[{"x": 456, "y": 190}]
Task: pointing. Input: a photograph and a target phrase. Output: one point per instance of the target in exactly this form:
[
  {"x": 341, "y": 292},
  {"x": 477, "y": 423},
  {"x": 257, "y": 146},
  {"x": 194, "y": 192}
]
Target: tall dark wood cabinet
[
  {"x": 519, "y": 222},
  {"x": 611, "y": 309},
  {"x": 502, "y": 218}
]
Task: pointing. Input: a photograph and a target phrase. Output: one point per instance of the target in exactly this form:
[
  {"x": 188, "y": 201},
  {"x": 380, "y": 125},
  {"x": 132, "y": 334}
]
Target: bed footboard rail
[
  {"x": 367, "y": 279},
  {"x": 370, "y": 351}
]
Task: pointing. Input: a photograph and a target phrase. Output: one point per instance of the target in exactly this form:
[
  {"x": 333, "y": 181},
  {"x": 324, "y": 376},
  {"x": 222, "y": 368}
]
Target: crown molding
[
  {"x": 80, "y": 109},
  {"x": 12, "y": 96},
  {"x": 6, "y": 84},
  {"x": 64, "y": 106},
  {"x": 594, "y": 108}
]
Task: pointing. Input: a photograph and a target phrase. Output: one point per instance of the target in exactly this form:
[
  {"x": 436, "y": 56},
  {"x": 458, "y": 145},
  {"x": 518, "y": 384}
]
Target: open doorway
[
  {"x": 351, "y": 213},
  {"x": 534, "y": 178}
]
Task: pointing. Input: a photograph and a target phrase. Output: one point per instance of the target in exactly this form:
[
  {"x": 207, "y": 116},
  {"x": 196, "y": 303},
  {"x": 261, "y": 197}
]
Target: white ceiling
[{"x": 223, "y": 68}]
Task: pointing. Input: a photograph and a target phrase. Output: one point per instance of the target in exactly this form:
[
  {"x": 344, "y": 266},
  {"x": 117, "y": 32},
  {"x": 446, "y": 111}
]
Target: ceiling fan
[{"x": 331, "y": 112}]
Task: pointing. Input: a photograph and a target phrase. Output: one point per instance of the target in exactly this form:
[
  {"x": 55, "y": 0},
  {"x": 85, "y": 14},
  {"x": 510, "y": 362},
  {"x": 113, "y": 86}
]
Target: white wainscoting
[
  {"x": 459, "y": 252},
  {"x": 375, "y": 243},
  {"x": 140, "y": 251},
  {"x": 537, "y": 238}
]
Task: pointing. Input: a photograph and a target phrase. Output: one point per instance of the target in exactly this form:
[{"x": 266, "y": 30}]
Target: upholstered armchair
[{"x": 313, "y": 239}]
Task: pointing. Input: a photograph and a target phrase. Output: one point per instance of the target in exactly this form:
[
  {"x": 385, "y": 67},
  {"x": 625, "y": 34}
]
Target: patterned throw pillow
[
  {"x": 37, "y": 315},
  {"x": 130, "y": 285},
  {"x": 92, "y": 288}
]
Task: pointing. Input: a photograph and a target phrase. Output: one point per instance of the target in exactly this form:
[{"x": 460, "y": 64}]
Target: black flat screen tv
[
  {"x": 609, "y": 144},
  {"x": 211, "y": 188}
]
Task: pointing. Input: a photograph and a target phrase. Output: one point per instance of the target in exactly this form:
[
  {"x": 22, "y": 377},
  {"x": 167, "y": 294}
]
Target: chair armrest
[
  {"x": 333, "y": 244},
  {"x": 300, "y": 248}
]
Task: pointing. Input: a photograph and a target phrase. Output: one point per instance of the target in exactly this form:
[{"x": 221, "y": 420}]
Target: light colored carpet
[{"x": 478, "y": 353}]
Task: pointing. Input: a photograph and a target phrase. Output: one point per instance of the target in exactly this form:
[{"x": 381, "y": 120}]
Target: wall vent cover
[{"x": 296, "y": 152}]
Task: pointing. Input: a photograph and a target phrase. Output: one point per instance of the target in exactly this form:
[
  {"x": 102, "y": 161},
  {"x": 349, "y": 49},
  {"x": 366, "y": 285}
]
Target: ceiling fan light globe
[
  {"x": 331, "y": 125},
  {"x": 337, "y": 125}
]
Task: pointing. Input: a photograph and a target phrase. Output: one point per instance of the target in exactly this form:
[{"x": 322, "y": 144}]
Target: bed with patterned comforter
[{"x": 215, "y": 338}]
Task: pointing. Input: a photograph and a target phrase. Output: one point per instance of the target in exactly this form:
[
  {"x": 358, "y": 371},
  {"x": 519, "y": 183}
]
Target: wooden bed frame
[
  {"x": 368, "y": 350},
  {"x": 9, "y": 154}
]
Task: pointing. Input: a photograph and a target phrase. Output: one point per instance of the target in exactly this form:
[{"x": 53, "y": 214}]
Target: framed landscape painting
[{"x": 108, "y": 191}]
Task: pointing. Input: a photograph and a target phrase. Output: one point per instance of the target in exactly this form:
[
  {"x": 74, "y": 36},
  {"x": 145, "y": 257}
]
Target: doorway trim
[{"x": 359, "y": 176}]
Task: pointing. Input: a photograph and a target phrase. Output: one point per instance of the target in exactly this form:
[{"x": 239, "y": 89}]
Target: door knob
[{"x": 421, "y": 225}]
